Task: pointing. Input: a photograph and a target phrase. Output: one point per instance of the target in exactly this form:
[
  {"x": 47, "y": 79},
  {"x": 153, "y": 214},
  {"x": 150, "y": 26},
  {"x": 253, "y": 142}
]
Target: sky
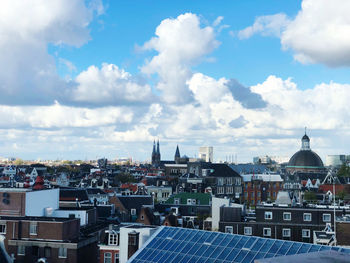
[{"x": 82, "y": 80}]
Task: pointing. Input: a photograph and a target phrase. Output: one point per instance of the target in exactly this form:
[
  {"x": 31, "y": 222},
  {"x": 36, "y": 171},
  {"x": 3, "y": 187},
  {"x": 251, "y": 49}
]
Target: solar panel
[{"x": 180, "y": 245}]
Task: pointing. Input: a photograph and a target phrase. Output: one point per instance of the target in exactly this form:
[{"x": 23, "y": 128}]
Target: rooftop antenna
[{"x": 305, "y": 130}]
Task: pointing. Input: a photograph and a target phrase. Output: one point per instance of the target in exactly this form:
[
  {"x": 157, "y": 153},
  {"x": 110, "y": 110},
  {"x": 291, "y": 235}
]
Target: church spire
[
  {"x": 177, "y": 152},
  {"x": 158, "y": 151}
]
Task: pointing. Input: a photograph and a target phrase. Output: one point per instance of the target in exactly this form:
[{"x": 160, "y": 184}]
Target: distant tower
[
  {"x": 156, "y": 154},
  {"x": 177, "y": 155},
  {"x": 305, "y": 142}
]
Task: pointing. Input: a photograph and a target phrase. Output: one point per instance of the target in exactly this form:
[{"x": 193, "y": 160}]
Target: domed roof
[
  {"x": 305, "y": 137},
  {"x": 304, "y": 158}
]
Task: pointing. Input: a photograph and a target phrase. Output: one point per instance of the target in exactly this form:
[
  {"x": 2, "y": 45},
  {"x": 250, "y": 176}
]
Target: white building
[
  {"x": 335, "y": 160},
  {"x": 206, "y": 153},
  {"x": 160, "y": 193},
  {"x": 144, "y": 234}
]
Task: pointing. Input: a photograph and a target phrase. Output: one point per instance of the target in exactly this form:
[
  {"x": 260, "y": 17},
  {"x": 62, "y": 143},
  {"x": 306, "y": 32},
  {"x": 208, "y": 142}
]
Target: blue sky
[{"x": 86, "y": 79}]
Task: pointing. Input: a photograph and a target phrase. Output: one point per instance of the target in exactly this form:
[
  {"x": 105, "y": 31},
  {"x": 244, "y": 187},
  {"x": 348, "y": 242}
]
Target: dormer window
[
  {"x": 176, "y": 201},
  {"x": 113, "y": 239}
]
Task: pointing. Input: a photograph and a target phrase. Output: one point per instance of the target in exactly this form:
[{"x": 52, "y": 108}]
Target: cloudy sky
[{"x": 88, "y": 79}]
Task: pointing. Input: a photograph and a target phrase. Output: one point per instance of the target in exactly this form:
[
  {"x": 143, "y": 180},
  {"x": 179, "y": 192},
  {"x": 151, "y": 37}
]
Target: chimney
[{"x": 133, "y": 243}]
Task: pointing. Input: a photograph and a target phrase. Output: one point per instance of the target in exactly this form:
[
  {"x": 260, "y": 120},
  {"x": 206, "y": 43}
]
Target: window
[
  {"x": 286, "y": 232},
  {"x": 113, "y": 239},
  {"x": 3, "y": 228},
  {"x": 267, "y": 232},
  {"x": 116, "y": 258},
  {"x": 47, "y": 252},
  {"x": 133, "y": 211},
  {"x": 62, "y": 252},
  {"x": 33, "y": 228},
  {"x": 307, "y": 217},
  {"x": 176, "y": 201},
  {"x": 221, "y": 190},
  {"x": 287, "y": 216},
  {"x": 21, "y": 250},
  {"x": 326, "y": 217},
  {"x": 248, "y": 231},
  {"x": 305, "y": 233},
  {"x": 229, "y": 229},
  {"x": 35, "y": 251},
  {"x": 107, "y": 257},
  {"x": 268, "y": 215}
]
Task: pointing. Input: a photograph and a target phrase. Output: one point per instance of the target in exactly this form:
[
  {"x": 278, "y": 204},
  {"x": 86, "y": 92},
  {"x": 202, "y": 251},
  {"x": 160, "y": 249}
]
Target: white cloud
[
  {"x": 180, "y": 43},
  {"x": 26, "y": 28},
  {"x": 320, "y": 33},
  {"x": 271, "y": 25},
  {"x": 109, "y": 85},
  {"x": 60, "y": 116}
]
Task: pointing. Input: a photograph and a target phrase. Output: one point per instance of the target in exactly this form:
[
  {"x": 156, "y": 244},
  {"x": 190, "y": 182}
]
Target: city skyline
[{"x": 86, "y": 79}]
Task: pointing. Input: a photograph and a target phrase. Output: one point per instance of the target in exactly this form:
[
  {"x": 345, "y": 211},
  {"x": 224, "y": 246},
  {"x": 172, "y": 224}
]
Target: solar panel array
[{"x": 181, "y": 245}]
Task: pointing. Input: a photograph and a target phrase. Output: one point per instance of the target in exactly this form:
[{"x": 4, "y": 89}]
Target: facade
[
  {"x": 294, "y": 223},
  {"x": 34, "y": 227},
  {"x": 224, "y": 181},
  {"x": 260, "y": 188}
]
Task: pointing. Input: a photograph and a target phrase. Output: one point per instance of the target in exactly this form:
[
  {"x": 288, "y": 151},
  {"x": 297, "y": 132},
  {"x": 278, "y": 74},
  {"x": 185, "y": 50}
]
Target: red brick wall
[{"x": 16, "y": 207}]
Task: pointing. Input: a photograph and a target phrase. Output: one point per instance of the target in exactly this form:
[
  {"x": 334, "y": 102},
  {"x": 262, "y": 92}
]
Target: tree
[
  {"x": 19, "y": 161},
  {"x": 344, "y": 171},
  {"x": 125, "y": 178},
  {"x": 310, "y": 196}
]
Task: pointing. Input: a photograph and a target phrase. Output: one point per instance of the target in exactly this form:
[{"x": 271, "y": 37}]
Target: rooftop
[{"x": 169, "y": 244}]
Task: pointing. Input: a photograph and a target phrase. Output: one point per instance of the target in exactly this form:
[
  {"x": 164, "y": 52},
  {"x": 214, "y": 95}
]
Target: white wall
[
  {"x": 145, "y": 233},
  {"x": 81, "y": 214},
  {"x": 216, "y": 203},
  {"x": 37, "y": 201}
]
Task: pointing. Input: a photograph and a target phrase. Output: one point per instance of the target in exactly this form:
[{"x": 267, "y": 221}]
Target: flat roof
[{"x": 37, "y": 218}]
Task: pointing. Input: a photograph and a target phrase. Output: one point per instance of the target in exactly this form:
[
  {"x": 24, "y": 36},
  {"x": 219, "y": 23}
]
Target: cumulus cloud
[
  {"x": 271, "y": 25},
  {"x": 26, "y": 28},
  {"x": 60, "y": 116},
  {"x": 318, "y": 34},
  {"x": 245, "y": 96},
  {"x": 109, "y": 85},
  {"x": 180, "y": 42}
]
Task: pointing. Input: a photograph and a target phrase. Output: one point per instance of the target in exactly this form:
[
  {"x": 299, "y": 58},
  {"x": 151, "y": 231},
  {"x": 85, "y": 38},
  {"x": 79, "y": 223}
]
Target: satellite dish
[
  {"x": 6, "y": 201},
  {"x": 6, "y": 195}
]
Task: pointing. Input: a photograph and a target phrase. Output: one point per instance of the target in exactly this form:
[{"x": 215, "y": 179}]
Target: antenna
[{"x": 305, "y": 130}]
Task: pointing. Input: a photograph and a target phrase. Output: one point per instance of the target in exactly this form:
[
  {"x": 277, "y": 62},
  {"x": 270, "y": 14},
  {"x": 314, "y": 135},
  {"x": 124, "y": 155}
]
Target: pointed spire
[
  {"x": 158, "y": 151},
  {"x": 177, "y": 152},
  {"x": 154, "y": 147}
]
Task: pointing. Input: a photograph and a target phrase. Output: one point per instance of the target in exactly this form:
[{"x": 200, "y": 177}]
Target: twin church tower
[
  {"x": 156, "y": 154},
  {"x": 156, "y": 162}
]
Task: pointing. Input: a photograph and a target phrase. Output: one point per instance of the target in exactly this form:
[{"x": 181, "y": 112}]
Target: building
[
  {"x": 34, "y": 227},
  {"x": 260, "y": 188},
  {"x": 295, "y": 223},
  {"x": 335, "y": 160},
  {"x": 122, "y": 241},
  {"x": 156, "y": 154},
  {"x": 169, "y": 244},
  {"x": 305, "y": 160},
  {"x": 206, "y": 153}
]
